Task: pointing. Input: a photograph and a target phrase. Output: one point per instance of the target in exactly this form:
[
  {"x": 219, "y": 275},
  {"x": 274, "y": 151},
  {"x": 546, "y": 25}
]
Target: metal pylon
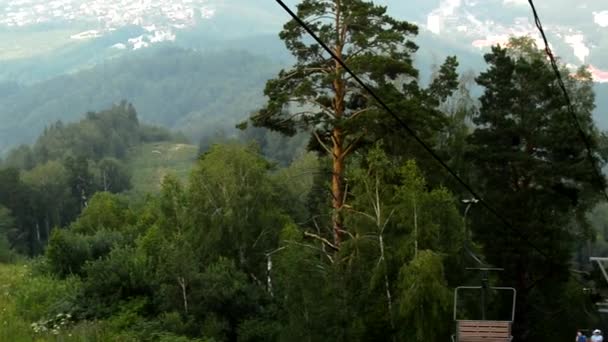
[
  {"x": 600, "y": 263},
  {"x": 602, "y": 306}
]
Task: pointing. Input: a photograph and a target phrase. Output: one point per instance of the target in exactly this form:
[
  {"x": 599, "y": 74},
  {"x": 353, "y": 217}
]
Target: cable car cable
[{"x": 601, "y": 179}]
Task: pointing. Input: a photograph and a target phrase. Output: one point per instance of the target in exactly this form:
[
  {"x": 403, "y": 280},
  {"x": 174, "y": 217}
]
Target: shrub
[
  {"x": 67, "y": 252},
  {"x": 119, "y": 277},
  {"x": 44, "y": 297},
  {"x": 7, "y": 255}
]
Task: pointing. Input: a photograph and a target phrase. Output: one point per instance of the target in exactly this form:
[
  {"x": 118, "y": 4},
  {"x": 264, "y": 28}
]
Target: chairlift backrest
[{"x": 460, "y": 288}]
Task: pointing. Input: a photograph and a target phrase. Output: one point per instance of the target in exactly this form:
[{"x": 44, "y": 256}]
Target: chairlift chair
[{"x": 483, "y": 330}]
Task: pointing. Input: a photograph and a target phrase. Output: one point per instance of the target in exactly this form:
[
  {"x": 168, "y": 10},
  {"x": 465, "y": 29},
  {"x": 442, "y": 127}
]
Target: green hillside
[
  {"x": 150, "y": 163},
  {"x": 194, "y": 92}
]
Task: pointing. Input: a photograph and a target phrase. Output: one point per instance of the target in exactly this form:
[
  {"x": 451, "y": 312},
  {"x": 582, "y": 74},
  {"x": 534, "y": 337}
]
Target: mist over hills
[
  {"x": 196, "y": 93},
  {"x": 200, "y": 92},
  {"x": 199, "y": 66}
]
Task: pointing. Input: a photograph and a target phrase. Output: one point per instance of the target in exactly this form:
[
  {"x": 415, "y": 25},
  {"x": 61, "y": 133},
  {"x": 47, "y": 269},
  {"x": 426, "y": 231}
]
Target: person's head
[
  {"x": 597, "y": 332},
  {"x": 579, "y": 333}
]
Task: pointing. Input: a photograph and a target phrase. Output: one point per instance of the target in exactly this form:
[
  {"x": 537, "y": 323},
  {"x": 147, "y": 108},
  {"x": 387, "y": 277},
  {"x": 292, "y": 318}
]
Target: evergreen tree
[
  {"x": 533, "y": 168},
  {"x": 316, "y": 94},
  {"x": 18, "y": 198}
]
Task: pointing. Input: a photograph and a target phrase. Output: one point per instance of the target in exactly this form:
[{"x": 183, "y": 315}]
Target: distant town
[{"x": 158, "y": 18}]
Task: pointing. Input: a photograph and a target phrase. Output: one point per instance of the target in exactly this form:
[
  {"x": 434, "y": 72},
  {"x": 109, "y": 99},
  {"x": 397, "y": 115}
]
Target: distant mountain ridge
[
  {"x": 194, "y": 92},
  {"x": 62, "y": 58}
]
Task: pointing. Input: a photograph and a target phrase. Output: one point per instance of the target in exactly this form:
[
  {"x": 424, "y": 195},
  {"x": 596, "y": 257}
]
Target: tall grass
[{"x": 24, "y": 299}]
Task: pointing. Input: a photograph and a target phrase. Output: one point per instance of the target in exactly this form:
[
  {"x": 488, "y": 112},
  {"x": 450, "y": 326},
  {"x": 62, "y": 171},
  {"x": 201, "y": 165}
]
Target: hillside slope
[
  {"x": 197, "y": 93},
  {"x": 150, "y": 163}
]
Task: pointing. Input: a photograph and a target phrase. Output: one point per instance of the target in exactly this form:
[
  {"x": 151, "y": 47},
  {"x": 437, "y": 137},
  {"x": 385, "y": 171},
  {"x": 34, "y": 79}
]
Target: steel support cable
[{"x": 560, "y": 81}]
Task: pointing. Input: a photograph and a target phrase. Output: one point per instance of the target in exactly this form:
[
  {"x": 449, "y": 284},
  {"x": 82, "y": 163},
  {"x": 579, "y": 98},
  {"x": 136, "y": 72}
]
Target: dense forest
[{"x": 322, "y": 219}]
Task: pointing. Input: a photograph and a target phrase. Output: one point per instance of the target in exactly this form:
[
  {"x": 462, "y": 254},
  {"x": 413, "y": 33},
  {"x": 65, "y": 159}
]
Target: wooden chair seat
[{"x": 484, "y": 331}]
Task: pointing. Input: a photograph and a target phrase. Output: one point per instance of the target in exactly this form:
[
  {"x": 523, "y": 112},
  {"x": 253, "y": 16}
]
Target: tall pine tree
[
  {"x": 318, "y": 96},
  {"x": 533, "y": 167}
]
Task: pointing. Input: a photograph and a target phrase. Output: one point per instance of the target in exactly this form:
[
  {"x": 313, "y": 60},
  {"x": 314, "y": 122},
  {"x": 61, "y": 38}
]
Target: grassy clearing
[{"x": 150, "y": 163}]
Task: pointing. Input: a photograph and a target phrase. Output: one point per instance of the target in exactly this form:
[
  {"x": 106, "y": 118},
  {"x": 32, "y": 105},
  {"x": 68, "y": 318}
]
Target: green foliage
[
  {"x": 432, "y": 214},
  {"x": 425, "y": 298},
  {"x": 150, "y": 163},
  {"x": 6, "y": 224},
  {"x": 532, "y": 166},
  {"x": 6, "y": 253},
  {"x": 112, "y": 175},
  {"x": 67, "y": 252},
  {"x": 208, "y": 91},
  {"x": 20, "y": 157},
  {"x": 167, "y": 337},
  {"x": 129, "y": 314},
  {"x": 236, "y": 204},
  {"x": 225, "y": 284},
  {"x": 377, "y": 47},
  {"x": 121, "y": 277},
  {"x": 362, "y": 287},
  {"x": 28, "y": 301},
  {"x": 296, "y": 184},
  {"x": 104, "y": 211},
  {"x": 106, "y": 134},
  {"x": 241, "y": 250},
  {"x": 60, "y": 175},
  {"x": 103, "y": 241},
  {"x": 17, "y": 197},
  {"x": 44, "y": 297},
  {"x": 301, "y": 283},
  {"x": 316, "y": 95},
  {"x": 259, "y": 330}
]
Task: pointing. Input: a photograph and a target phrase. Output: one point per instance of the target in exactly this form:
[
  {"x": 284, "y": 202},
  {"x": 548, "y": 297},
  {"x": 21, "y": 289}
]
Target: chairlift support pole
[
  {"x": 602, "y": 306},
  {"x": 468, "y": 236},
  {"x": 600, "y": 263},
  {"x": 485, "y": 285}
]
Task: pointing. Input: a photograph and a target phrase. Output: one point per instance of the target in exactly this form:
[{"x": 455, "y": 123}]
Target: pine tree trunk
[
  {"x": 337, "y": 135},
  {"x": 337, "y": 189},
  {"x": 338, "y": 158}
]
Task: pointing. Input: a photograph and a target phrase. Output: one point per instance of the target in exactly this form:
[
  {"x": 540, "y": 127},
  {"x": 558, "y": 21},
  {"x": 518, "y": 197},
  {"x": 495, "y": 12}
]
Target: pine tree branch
[
  {"x": 306, "y": 71},
  {"x": 311, "y": 247},
  {"x": 319, "y": 17},
  {"x": 323, "y": 108},
  {"x": 357, "y": 113},
  {"x": 352, "y": 145},
  {"x": 325, "y": 147},
  {"x": 323, "y": 240}
]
